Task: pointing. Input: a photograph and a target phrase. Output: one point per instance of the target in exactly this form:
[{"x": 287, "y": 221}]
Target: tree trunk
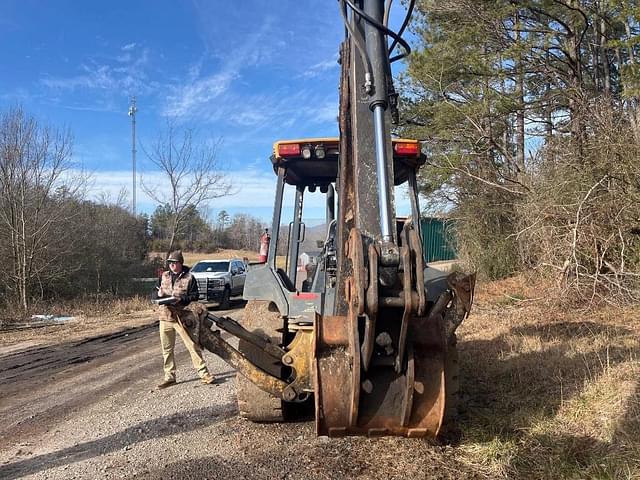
[
  {"x": 24, "y": 294},
  {"x": 520, "y": 137},
  {"x": 627, "y": 28},
  {"x": 604, "y": 55},
  {"x": 576, "y": 87},
  {"x": 632, "y": 104},
  {"x": 172, "y": 240}
]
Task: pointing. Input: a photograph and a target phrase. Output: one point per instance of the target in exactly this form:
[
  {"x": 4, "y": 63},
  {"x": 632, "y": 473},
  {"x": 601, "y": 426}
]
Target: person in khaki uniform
[{"x": 180, "y": 284}]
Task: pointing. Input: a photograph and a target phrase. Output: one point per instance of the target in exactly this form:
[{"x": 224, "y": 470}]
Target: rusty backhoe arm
[
  {"x": 386, "y": 361},
  {"x": 203, "y": 329}
]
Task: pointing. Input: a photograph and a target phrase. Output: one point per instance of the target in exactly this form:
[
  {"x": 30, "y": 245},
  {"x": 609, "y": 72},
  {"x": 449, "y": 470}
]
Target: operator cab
[{"x": 311, "y": 164}]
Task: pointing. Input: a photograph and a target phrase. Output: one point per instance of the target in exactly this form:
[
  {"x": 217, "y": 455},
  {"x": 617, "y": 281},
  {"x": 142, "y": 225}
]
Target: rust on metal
[
  {"x": 200, "y": 330},
  {"x": 410, "y": 387},
  {"x": 415, "y": 244},
  {"x": 463, "y": 287},
  {"x": 407, "y": 289},
  {"x": 372, "y": 299},
  {"x": 299, "y": 357},
  {"x": 332, "y": 375},
  {"x": 213, "y": 342},
  {"x": 356, "y": 255},
  {"x": 353, "y": 351},
  {"x": 346, "y": 189}
]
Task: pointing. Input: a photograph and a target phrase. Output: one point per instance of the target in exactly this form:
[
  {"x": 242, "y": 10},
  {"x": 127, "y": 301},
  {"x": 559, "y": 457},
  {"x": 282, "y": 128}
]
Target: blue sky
[{"x": 249, "y": 72}]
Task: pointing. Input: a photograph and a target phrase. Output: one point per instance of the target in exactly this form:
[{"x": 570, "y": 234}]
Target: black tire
[
  {"x": 253, "y": 403},
  {"x": 225, "y": 300}
]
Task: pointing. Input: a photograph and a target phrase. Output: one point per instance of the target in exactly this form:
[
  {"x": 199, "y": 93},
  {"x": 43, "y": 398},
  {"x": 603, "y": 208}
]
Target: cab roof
[{"x": 314, "y": 161}]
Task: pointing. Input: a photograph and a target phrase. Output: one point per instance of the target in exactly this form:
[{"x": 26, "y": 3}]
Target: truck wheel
[
  {"x": 224, "y": 301},
  {"x": 263, "y": 318}
]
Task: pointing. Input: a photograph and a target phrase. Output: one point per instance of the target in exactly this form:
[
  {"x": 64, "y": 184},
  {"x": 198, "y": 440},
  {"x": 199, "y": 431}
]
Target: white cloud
[
  {"x": 121, "y": 73},
  {"x": 249, "y": 118},
  {"x": 320, "y": 68},
  {"x": 255, "y": 193},
  {"x": 326, "y": 112},
  {"x": 124, "y": 58},
  {"x": 93, "y": 77},
  {"x": 188, "y": 99},
  {"x": 273, "y": 112},
  {"x": 195, "y": 96},
  {"x": 19, "y": 95},
  {"x": 254, "y": 189},
  {"x": 129, "y": 46}
]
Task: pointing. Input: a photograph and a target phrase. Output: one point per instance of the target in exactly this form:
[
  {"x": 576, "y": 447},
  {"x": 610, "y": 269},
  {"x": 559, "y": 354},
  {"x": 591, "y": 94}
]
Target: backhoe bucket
[{"x": 379, "y": 401}]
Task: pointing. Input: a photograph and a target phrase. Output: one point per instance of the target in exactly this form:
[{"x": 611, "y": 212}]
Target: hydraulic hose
[
  {"x": 380, "y": 26},
  {"x": 358, "y": 42},
  {"x": 387, "y": 10},
  {"x": 401, "y": 31}
]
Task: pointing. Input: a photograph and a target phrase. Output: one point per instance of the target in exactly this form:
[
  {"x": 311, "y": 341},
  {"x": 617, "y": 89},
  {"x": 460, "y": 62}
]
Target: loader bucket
[{"x": 379, "y": 401}]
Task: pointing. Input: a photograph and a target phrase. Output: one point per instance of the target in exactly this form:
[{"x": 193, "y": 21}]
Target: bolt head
[{"x": 289, "y": 394}]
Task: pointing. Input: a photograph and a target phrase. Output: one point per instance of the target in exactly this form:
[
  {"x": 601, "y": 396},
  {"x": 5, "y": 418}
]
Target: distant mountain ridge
[{"x": 312, "y": 235}]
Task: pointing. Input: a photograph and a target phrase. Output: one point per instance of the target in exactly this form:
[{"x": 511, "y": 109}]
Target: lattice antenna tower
[{"x": 132, "y": 113}]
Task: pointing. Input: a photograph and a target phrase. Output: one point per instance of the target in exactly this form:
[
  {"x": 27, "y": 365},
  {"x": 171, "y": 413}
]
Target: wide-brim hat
[{"x": 176, "y": 256}]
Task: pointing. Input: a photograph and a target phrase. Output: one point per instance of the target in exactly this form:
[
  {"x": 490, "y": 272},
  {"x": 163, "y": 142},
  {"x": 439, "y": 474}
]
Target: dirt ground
[
  {"x": 86, "y": 407},
  {"x": 80, "y": 403}
]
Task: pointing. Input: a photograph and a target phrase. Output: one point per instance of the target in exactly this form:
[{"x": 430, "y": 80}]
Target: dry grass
[
  {"x": 549, "y": 393},
  {"x": 192, "y": 257},
  {"x": 93, "y": 316}
]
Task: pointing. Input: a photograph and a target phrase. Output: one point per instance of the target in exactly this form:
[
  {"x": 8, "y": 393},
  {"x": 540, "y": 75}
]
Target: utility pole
[{"x": 132, "y": 113}]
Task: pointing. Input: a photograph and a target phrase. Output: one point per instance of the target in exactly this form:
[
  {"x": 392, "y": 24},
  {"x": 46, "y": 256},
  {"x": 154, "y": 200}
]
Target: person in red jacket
[{"x": 265, "y": 239}]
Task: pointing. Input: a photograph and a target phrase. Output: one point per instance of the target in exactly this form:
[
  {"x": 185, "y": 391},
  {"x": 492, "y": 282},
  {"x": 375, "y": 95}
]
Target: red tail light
[
  {"x": 407, "y": 149},
  {"x": 288, "y": 150}
]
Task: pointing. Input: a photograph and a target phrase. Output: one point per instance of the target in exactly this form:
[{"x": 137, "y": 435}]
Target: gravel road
[{"x": 89, "y": 409}]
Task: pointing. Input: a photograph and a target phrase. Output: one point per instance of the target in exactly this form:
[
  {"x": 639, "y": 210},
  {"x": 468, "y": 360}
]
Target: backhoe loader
[{"x": 370, "y": 339}]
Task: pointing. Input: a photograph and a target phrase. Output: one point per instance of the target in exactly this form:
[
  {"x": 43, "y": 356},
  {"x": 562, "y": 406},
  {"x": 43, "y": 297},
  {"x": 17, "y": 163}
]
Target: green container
[{"x": 437, "y": 241}]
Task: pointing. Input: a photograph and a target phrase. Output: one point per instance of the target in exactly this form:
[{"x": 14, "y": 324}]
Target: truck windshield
[{"x": 211, "y": 267}]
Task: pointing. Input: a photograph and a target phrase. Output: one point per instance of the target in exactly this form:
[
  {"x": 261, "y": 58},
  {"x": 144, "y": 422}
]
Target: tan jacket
[{"x": 178, "y": 289}]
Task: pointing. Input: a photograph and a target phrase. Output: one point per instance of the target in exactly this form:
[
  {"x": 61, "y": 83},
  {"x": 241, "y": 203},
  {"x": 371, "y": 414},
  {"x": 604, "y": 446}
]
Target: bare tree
[
  {"x": 244, "y": 232},
  {"x": 192, "y": 171},
  {"x": 37, "y": 190}
]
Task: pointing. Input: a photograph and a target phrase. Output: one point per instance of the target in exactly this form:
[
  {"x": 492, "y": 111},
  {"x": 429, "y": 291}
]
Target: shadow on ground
[
  {"x": 157, "y": 428},
  {"x": 220, "y": 378},
  {"x": 293, "y": 457},
  {"x": 507, "y": 394}
]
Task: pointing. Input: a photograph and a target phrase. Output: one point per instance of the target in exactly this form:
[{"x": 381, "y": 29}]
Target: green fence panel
[{"x": 437, "y": 242}]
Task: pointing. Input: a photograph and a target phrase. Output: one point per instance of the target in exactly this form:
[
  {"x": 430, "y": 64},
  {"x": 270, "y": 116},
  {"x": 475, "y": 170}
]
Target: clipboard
[{"x": 166, "y": 301}]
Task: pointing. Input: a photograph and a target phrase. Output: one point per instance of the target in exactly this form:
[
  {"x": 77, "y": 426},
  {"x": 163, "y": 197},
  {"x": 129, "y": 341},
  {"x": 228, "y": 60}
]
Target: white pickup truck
[{"x": 219, "y": 280}]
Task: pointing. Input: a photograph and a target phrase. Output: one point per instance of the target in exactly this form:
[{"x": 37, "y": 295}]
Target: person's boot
[
  {"x": 207, "y": 379},
  {"x": 167, "y": 383}
]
